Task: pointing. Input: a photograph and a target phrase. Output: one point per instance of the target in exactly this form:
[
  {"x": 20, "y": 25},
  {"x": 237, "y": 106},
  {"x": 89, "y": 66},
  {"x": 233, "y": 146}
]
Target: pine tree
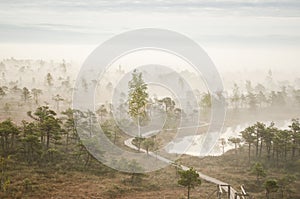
[
  {"x": 138, "y": 98},
  {"x": 190, "y": 179}
]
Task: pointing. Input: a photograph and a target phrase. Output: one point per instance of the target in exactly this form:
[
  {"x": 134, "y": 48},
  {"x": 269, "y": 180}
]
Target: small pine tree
[
  {"x": 258, "y": 170},
  {"x": 270, "y": 185},
  {"x": 190, "y": 179}
]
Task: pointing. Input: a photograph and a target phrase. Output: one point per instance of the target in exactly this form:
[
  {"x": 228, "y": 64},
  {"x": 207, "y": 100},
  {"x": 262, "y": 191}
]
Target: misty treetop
[{"x": 28, "y": 84}]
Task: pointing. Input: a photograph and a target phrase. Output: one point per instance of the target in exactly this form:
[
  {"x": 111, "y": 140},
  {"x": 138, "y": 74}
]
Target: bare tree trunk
[
  {"x": 48, "y": 140},
  {"x": 139, "y": 128},
  {"x": 267, "y": 194},
  {"x": 257, "y": 143},
  {"x": 249, "y": 153},
  {"x": 261, "y": 146}
]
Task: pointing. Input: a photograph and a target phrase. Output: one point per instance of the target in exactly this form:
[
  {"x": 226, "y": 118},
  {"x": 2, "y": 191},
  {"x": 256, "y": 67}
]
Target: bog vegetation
[{"x": 38, "y": 132}]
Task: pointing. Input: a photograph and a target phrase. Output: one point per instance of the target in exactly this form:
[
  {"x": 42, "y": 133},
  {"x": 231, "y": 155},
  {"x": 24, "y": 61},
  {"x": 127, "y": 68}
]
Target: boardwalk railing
[{"x": 243, "y": 194}]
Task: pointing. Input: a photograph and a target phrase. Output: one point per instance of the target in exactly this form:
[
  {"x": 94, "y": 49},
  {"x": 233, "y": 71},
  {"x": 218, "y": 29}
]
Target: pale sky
[{"x": 237, "y": 34}]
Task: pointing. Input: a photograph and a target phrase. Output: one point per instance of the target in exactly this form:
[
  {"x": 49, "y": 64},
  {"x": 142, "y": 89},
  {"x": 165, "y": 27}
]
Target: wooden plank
[
  {"x": 220, "y": 189},
  {"x": 243, "y": 191}
]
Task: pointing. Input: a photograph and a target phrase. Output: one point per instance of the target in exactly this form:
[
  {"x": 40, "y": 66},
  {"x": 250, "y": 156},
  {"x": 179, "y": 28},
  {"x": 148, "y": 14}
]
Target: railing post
[{"x": 220, "y": 192}]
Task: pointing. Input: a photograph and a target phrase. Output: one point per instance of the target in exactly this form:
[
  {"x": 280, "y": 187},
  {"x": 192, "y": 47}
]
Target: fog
[
  {"x": 275, "y": 94},
  {"x": 254, "y": 46}
]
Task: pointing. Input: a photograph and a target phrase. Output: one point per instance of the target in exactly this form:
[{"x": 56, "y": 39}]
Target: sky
[{"x": 236, "y": 34}]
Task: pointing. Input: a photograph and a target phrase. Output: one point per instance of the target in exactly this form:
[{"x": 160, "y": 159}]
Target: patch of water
[{"x": 193, "y": 143}]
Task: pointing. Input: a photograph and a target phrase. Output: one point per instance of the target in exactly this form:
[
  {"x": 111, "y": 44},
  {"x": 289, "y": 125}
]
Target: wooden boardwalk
[{"x": 224, "y": 186}]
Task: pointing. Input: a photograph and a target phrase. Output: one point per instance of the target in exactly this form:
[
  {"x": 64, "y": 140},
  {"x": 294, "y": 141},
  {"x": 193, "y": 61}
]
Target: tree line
[
  {"x": 44, "y": 138},
  {"x": 277, "y": 146}
]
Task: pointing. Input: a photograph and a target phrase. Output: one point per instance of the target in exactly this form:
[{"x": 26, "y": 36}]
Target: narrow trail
[{"x": 207, "y": 178}]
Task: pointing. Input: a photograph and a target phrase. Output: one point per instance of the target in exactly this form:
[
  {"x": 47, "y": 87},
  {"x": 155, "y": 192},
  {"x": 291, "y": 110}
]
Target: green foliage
[
  {"x": 31, "y": 146},
  {"x": 137, "y": 94},
  {"x": 4, "y": 179},
  {"x": 53, "y": 155},
  {"x": 172, "y": 119},
  {"x": 249, "y": 137},
  {"x": 25, "y": 94},
  {"x": 27, "y": 184},
  {"x": 270, "y": 185},
  {"x": 49, "y": 126},
  {"x": 295, "y": 136},
  {"x": 236, "y": 141},
  {"x": 2, "y": 92},
  {"x": 57, "y": 98},
  {"x": 258, "y": 170},
  {"x": 236, "y": 96},
  {"x": 138, "y": 97},
  {"x": 169, "y": 104},
  {"x": 102, "y": 111},
  {"x": 138, "y": 141},
  {"x": 36, "y": 93},
  {"x": 279, "y": 147},
  {"x": 148, "y": 144},
  {"x": 190, "y": 179},
  {"x": 111, "y": 129},
  {"x": 69, "y": 125},
  {"x": 205, "y": 102},
  {"x": 284, "y": 185},
  {"x": 8, "y": 136}
]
